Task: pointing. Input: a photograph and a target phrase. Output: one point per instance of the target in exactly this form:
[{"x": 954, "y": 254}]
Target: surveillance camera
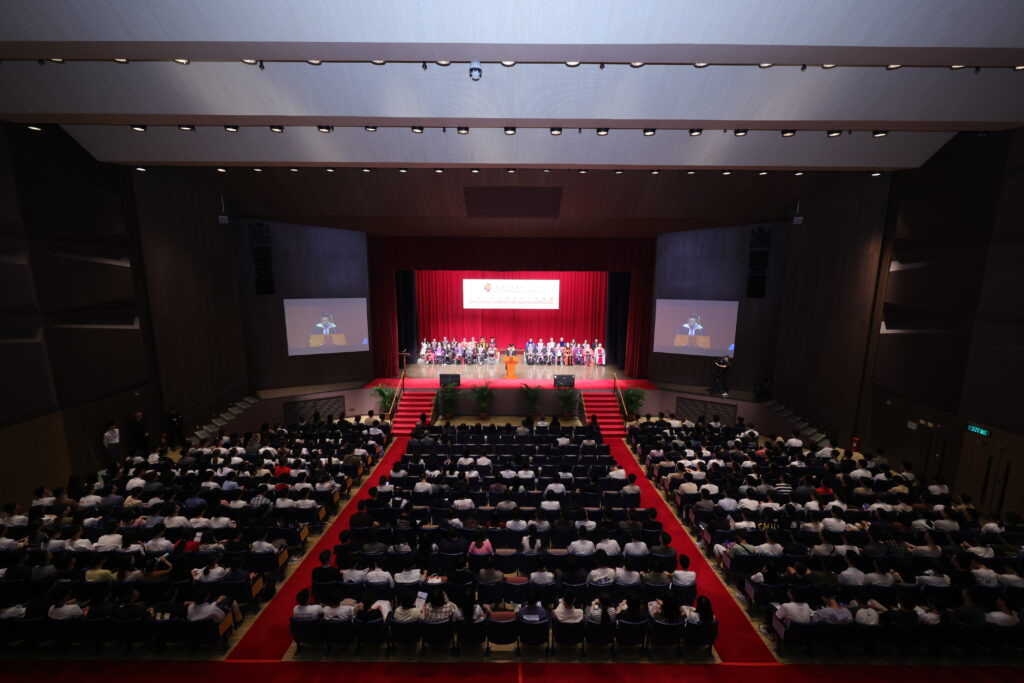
[{"x": 476, "y": 71}]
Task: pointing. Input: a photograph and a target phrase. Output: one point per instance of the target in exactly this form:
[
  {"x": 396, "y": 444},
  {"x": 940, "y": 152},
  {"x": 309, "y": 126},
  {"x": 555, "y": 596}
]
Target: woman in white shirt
[
  {"x": 601, "y": 611},
  {"x": 303, "y": 611},
  {"x": 567, "y": 612}
]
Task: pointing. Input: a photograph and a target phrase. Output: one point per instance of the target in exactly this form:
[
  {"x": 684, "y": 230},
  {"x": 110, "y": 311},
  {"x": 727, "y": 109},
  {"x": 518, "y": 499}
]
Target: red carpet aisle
[
  {"x": 738, "y": 641},
  {"x": 582, "y": 384},
  {"x": 268, "y": 638},
  {"x": 410, "y": 407}
]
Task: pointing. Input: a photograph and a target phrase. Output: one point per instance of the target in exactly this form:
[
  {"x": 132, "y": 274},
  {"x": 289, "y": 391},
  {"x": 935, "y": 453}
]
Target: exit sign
[{"x": 979, "y": 430}]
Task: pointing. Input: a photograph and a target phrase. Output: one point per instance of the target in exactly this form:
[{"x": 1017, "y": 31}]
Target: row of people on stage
[{"x": 472, "y": 351}]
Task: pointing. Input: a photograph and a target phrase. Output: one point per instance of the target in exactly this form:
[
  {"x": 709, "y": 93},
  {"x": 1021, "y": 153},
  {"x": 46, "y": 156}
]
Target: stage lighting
[
  {"x": 329, "y": 170},
  {"x": 572, "y": 65},
  {"x": 378, "y": 62},
  {"x": 403, "y": 170},
  {"x": 555, "y": 130},
  {"x": 726, "y": 172},
  {"x": 121, "y": 60},
  {"x": 250, "y": 62},
  {"x": 293, "y": 169},
  {"x": 510, "y": 130},
  {"x": 875, "y": 174},
  {"x": 366, "y": 170},
  {"x": 444, "y": 62},
  {"x": 325, "y": 129},
  {"x": 798, "y": 173},
  {"x": 583, "y": 171},
  {"x": 314, "y": 62},
  {"x": 474, "y": 170},
  {"x": 258, "y": 170},
  {"x": 788, "y": 133},
  {"x": 183, "y": 62},
  {"x": 187, "y": 127},
  {"x": 507, "y": 63},
  {"x": 833, "y": 133},
  {"x": 277, "y": 129},
  {"x": 892, "y": 67},
  {"x": 231, "y": 128},
  {"x": 765, "y": 65},
  {"x": 617, "y": 171},
  {"x": 602, "y": 131},
  {"x": 763, "y": 173},
  {"x": 221, "y": 170},
  {"x": 370, "y": 129},
  {"x": 139, "y": 128},
  {"x": 417, "y": 129},
  {"x": 57, "y": 60},
  {"x": 828, "y": 66},
  {"x": 510, "y": 170},
  {"x": 655, "y": 171},
  {"x": 463, "y": 130},
  {"x": 34, "y": 127},
  {"x": 956, "y": 67},
  {"x": 700, "y": 65},
  {"x": 648, "y": 132},
  {"x": 879, "y": 133},
  {"x": 141, "y": 169},
  {"x": 694, "y": 132},
  {"x": 740, "y": 132},
  {"x": 636, "y": 65},
  {"x": 438, "y": 170}
]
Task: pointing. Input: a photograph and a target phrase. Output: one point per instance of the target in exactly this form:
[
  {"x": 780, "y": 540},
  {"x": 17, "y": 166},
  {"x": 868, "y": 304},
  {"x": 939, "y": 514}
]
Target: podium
[
  {"x": 323, "y": 339},
  {"x": 703, "y": 341},
  {"x": 510, "y": 367}
]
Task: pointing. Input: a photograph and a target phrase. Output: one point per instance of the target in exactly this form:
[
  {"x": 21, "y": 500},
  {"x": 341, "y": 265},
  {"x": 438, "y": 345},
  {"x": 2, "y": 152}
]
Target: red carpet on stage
[{"x": 582, "y": 384}]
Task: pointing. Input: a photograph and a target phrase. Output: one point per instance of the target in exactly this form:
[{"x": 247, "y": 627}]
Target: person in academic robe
[
  {"x": 599, "y": 358},
  {"x": 326, "y": 325},
  {"x": 511, "y": 350},
  {"x": 577, "y": 354},
  {"x": 424, "y": 345},
  {"x": 588, "y": 354},
  {"x": 692, "y": 327},
  {"x": 566, "y": 355},
  {"x": 531, "y": 351},
  {"x": 428, "y": 356}
]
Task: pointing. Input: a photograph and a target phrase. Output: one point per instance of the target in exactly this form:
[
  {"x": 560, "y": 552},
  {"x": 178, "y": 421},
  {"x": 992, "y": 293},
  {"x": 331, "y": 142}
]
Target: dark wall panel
[
  {"x": 64, "y": 282},
  {"x": 308, "y": 262},
  {"x": 89, "y": 363}
]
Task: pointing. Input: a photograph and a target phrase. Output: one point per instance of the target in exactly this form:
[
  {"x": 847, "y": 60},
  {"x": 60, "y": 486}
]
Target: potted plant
[
  {"x": 386, "y": 395},
  {"x": 445, "y": 401},
  {"x": 567, "y": 399},
  {"x": 483, "y": 395},
  {"x": 633, "y": 400},
  {"x": 531, "y": 399}
]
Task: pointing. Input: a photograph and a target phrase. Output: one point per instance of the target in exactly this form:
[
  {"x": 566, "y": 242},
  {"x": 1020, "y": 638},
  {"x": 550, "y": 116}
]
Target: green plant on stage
[
  {"x": 531, "y": 398},
  {"x": 445, "y": 400},
  {"x": 568, "y": 399},
  {"x": 386, "y": 395},
  {"x": 633, "y": 400},
  {"x": 483, "y": 396}
]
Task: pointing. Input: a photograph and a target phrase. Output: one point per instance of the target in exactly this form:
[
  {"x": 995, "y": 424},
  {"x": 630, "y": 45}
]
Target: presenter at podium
[
  {"x": 510, "y": 362},
  {"x": 692, "y": 327},
  {"x": 326, "y": 325}
]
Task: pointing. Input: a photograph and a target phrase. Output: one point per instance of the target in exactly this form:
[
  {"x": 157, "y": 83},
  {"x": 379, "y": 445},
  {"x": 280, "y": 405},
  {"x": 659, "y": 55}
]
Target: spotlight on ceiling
[
  {"x": 315, "y": 62},
  {"x": 438, "y": 170},
  {"x": 277, "y": 129},
  {"x": 701, "y": 65},
  {"x": 555, "y": 130},
  {"x": 763, "y": 173},
  {"x": 141, "y": 169},
  {"x": 957, "y": 67},
  {"x": 325, "y": 129},
  {"x": 875, "y": 174},
  {"x": 788, "y": 133},
  {"x": 892, "y": 67},
  {"x": 636, "y": 65},
  {"x": 444, "y": 62},
  {"x": 765, "y": 65},
  {"x": 726, "y": 172},
  {"x": 655, "y": 171},
  {"x": 258, "y": 170},
  {"x": 474, "y": 170},
  {"x": 879, "y": 133},
  {"x": 584, "y": 171},
  {"x": 547, "y": 170},
  {"x": 378, "y": 62},
  {"x": 183, "y": 62},
  {"x": 694, "y": 132},
  {"x": 691, "y": 173},
  {"x": 329, "y": 170},
  {"x": 187, "y": 127},
  {"x": 1019, "y": 67},
  {"x": 833, "y": 133},
  {"x": 57, "y": 60},
  {"x": 618, "y": 171},
  {"x": 648, "y": 132},
  {"x": 250, "y": 62},
  {"x": 572, "y": 65},
  {"x": 463, "y": 130},
  {"x": 507, "y": 62},
  {"x": 740, "y": 132},
  {"x": 366, "y": 170},
  {"x": 221, "y": 170},
  {"x": 370, "y": 129},
  {"x": 403, "y": 170},
  {"x": 231, "y": 128},
  {"x": 510, "y": 130},
  {"x": 828, "y": 66},
  {"x": 139, "y": 128},
  {"x": 510, "y": 170},
  {"x": 121, "y": 60},
  {"x": 602, "y": 131},
  {"x": 798, "y": 173},
  {"x": 417, "y": 129},
  {"x": 35, "y": 127},
  {"x": 293, "y": 169}
]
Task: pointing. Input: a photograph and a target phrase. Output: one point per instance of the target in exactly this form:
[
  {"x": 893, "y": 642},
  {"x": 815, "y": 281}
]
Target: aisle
[
  {"x": 738, "y": 639},
  {"x": 268, "y": 639}
]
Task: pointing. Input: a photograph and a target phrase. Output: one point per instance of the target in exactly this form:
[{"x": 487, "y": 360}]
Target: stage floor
[{"x": 593, "y": 377}]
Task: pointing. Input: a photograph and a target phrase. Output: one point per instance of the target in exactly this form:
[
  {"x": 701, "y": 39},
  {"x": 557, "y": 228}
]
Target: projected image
[
  {"x": 696, "y": 328},
  {"x": 325, "y": 326}
]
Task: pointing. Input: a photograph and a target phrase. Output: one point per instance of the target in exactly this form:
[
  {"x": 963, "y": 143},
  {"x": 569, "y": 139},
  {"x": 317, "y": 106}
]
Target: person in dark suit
[{"x": 722, "y": 368}]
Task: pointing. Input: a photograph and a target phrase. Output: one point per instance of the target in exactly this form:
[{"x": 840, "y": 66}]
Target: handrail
[
  {"x": 618, "y": 393},
  {"x": 397, "y": 396}
]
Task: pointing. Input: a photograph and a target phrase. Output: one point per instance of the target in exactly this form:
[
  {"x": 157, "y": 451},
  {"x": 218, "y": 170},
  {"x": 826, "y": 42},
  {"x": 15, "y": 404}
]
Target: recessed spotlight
[
  {"x": 378, "y": 62},
  {"x": 510, "y": 170},
  {"x": 510, "y": 130},
  {"x": 763, "y": 173},
  {"x": 694, "y": 132},
  {"x": 618, "y": 171},
  {"x": 403, "y": 170},
  {"x": 57, "y": 60},
  {"x": 700, "y": 65},
  {"x": 293, "y": 169},
  {"x": 417, "y": 129},
  {"x": 438, "y": 170},
  {"x": 183, "y": 62},
  {"x": 892, "y": 67},
  {"x": 956, "y": 67},
  {"x": 788, "y": 133},
  {"x": 798, "y": 173},
  {"x": 648, "y": 132},
  {"x": 507, "y": 62},
  {"x": 572, "y": 65},
  {"x": 329, "y": 170},
  {"x": 463, "y": 130},
  {"x": 325, "y": 129},
  {"x": 584, "y": 171},
  {"x": 602, "y": 131},
  {"x": 1019, "y": 67},
  {"x": 833, "y": 133},
  {"x": 765, "y": 65},
  {"x": 636, "y": 65},
  {"x": 34, "y": 127},
  {"x": 547, "y": 170},
  {"x": 221, "y": 170},
  {"x": 277, "y": 129},
  {"x": 121, "y": 60},
  {"x": 315, "y": 62},
  {"x": 444, "y": 62},
  {"x": 139, "y": 128},
  {"x": 474, "y": 170},
  {"x": 258, "y": 170},
  {"x": 231, "y": 128},
  {"x": 726, "y": 172},
  {"x": 366, "y": 170},
  {"x": 250, "y": 62},
  {"x": 141, "y": 169},
  {"x": 655, "y": 171},
  {"x": 370, "y": 129},
  {"x": 555, "y": 130},
  {"x": 828, "y": 66},
  {"x": 187, "y": 127},
  {"x": 740, "y": 132},
  {"x": 875, "y": 174},
  {"x": 879, "y": 133},
  {"x": 691, "y": 172}
]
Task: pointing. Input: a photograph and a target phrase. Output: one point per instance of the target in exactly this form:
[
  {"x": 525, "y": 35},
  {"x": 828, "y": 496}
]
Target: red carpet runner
[{"x": 605, "y": 405}]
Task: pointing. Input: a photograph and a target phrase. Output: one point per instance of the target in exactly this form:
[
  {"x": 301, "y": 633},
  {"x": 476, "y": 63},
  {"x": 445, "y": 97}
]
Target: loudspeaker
[
  {"x": 565, "y": 381},
  {"x": 262, "y": 258},
  {"x": 757, "y": 267},
  {"x": 451, "y": 380}
]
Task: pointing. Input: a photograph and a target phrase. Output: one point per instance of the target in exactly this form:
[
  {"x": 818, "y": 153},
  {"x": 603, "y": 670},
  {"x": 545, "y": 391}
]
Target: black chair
[
  {"x": 404, "y": 633},
  {"x": 701, "y": 635},
  {"x": 666, "y": 634},
  {"x": 535, "y": 633},
  {"x": 631, "y": 633},
  {"x": 468, "y": 632},
  {"x": 439, "y": 635},
  {"x": 600, "y": 634},
  {"x": 373, "y": 632},
  {"x": 337, "y": 632},
  {"x": 568, "y": 633},
  {"x": 502, "y": 629},
  {"x": 305, "y": 632}
]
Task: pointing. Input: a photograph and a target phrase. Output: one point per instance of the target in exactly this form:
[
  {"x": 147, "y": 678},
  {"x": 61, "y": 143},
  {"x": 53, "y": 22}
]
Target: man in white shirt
[
  {"x": 617, "y": 473},
  {"x": 683, "y": 577},
  {"x": 852, "y": 575},
  {"x": 794, "y": 612}
]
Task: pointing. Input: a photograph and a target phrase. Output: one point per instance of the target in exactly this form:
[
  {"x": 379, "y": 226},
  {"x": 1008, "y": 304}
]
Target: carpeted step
[{"x": 410, "y": 406}]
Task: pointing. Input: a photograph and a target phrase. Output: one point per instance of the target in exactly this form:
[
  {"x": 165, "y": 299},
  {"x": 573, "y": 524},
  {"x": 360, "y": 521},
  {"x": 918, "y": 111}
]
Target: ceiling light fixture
[
  {"x": 833, "y": 133},
  {"x": 648, "y": 132},
  {"x": 694, "y": 132},
  {"x": 618, "y": 171},
  {"x": 798, "y": 173},
  {"x": 463, "y": 130},
  {"x": 602, "y": 131},
  {"x": 572, "y": 65},
  {"x": 293, "y": 169},
  {"x": 444, "y": 62},
  {"x": 277, "y": 129},
  {"x": 141, "y": 169},
  {"x": 403, "y": 170},
  {"x": 879, "y": 133},
  {"x": 788, "y": 133},
  {"x": 691, "y": 173},
  {"x": 250, "y": 62},
  {"x": 370, "y": 129},
  {"x": 875, "y": 174},
  {"x": 828, "y": 66},
  {"x": 636, "y": 65},
  {"x": 474, "y": 170},
  {"x": 892, "y": 67},
  {"x": 183, "y": 62},
  {"x": 555, "y": 130},
  {"x": 655, "y": 171},
  {"x": 329, "y": 170},
  {"x": 187, "y": 127},
  {"x": 510, "y": 130},
  {"x": 325, "y": 129},
  {"x": 701, "y": 65},
  {"x": 438, "y": 170},
  {"x": 417, "y": 129},
  {"x": 765, "y": 65},
  {"x": 121, "y": 60},
  {"x": 547, "y": 170},
  {"x": 1019, "y": 67},
  {"x": 726, "y": 172},
  {"x": 258, "y": 170},
  {"x": 366, "y": 170},
  {"x": 510, "y": 170},
  {"x": 57, "y": 60},
  {"x": 314, "y": 62},
  {"x": 507, "y": 63},
  {"x": 35, "y": 127},
  {"x": 378, "y": 62},
  {"x": 221, "y": 170},
  {"x": 763, "y": 173},
  {"x": 231, "y": 128},
  {"x": 956, "y": 67},
  {"x": 583, "y": 171},
  {"x": 740, "y": 132},
  {"x": 139, "y": 128}
]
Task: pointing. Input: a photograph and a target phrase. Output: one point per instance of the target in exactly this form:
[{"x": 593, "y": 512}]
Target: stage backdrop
[{"x": 581, "y": 312}]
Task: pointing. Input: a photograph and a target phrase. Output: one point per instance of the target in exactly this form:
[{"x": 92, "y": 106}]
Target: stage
[{"x": 423, "y": 376}]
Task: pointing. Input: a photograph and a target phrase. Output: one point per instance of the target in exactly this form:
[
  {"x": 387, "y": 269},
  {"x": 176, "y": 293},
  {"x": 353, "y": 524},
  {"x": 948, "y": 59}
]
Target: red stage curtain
[{"x": 583, "y": 297}]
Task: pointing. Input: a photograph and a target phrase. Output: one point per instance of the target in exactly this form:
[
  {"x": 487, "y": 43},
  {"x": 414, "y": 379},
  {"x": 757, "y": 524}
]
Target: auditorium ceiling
[{"x": 332, "y": 88}]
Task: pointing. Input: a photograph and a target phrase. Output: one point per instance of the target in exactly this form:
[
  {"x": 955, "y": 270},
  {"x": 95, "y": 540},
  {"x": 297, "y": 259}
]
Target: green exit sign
[{"x": 979, "y": 430}]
